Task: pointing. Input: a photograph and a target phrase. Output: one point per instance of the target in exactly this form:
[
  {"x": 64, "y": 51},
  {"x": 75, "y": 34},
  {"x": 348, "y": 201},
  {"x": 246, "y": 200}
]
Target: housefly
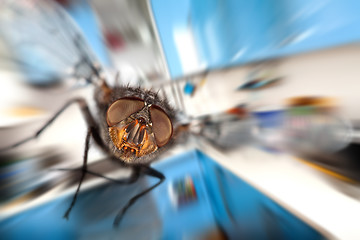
[{"x": 131, "y": 125}]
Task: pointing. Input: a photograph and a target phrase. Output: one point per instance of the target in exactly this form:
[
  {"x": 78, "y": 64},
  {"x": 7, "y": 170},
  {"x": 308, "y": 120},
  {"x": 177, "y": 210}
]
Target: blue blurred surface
[
  {"x": 47, "y": 65},
  {"x": 244, "y": 212},
  {"x": 229, "y": 33},
  {"x": 223, "y": 201},
  {"x": 170, "y": 16},
  {"x": 193, "y": 219},
  {"x": 83, "y": 14}
]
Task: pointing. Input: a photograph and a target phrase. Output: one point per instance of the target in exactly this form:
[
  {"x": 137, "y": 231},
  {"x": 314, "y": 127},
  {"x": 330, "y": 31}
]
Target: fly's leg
[
  {"x": 133, "y": 177},
  {"x": 147, "y": 171},
  {"x": 84, "y": 109},
  {"x": 84, "y": 168},
  {"x": 94, "y": 133}
]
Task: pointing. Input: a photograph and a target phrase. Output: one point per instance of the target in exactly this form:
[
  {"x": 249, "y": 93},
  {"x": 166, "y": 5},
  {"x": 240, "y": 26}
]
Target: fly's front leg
[
  {"x": 95, "y": 134},
  {"x": 92, "y": 131},
  {"x": 83, "y": 173},
  {"x": 133, "y": 178},
  {"x": 85, "y": 111}
]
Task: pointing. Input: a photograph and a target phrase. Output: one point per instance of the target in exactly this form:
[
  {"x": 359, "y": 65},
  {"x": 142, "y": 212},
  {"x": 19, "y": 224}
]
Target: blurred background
[{"x": 266, "y": 88}]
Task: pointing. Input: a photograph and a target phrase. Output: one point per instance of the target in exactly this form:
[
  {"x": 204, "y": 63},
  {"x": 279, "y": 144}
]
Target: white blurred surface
[{"x": 297, "y": 187}]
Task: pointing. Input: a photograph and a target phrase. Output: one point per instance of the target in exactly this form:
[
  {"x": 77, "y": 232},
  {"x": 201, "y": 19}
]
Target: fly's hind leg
[
  {"x": 147, "y": 171},
  {"x": 133, "y": 177}
]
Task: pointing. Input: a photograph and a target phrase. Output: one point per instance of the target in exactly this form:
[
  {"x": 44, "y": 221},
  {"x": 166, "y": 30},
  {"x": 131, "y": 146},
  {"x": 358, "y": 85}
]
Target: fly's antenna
[
  {"x": 117, "y": 79},
  {"x": 157, "y": 93}
]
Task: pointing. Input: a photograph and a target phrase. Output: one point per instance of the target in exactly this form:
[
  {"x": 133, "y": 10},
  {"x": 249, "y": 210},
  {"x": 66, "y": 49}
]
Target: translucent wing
[{"x": 40, "y": 39}]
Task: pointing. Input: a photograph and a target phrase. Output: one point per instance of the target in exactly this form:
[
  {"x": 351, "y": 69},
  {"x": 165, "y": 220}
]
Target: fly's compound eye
[
  {"x": 161, "y": 125},
  {"x": 123, "y": 108}
]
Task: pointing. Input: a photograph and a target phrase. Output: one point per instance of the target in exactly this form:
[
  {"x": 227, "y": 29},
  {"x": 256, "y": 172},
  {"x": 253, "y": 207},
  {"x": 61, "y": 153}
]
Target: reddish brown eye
[
  {"x": 162, "y": 126},
  {"x": 123, "y": 108}
]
